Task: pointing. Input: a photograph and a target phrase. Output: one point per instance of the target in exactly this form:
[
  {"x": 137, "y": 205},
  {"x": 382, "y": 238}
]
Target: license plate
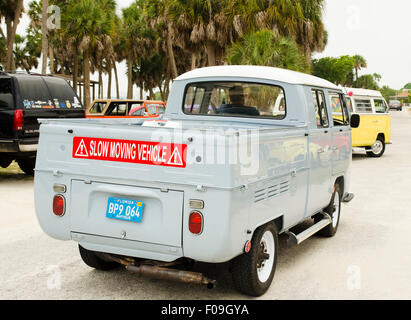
[{"x": 124, "y": 209}]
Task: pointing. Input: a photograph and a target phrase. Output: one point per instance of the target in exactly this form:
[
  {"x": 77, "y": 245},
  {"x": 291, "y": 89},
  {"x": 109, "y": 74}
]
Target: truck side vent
[{"x": 272, "y": 191}]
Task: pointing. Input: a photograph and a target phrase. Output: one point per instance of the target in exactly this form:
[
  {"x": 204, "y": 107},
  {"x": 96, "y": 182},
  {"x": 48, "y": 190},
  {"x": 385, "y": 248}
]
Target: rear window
[
  {"x": 34, "y": 93},
  {"x": 235, "y": 99},
  {"x": 62, "y": 93},
  {"x": 6, "y": 95}
]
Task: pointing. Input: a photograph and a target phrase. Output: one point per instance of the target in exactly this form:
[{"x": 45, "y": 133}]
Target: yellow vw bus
[{"x": 374, "y": 131}]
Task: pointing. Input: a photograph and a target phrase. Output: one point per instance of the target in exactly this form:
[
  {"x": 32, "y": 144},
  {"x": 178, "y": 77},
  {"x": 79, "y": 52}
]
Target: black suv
[{"x": 24, "y": 98}]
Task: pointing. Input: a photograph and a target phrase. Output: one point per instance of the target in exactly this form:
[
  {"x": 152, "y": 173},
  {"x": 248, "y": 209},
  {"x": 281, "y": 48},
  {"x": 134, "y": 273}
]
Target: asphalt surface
[{"x": 369, "y": 257}]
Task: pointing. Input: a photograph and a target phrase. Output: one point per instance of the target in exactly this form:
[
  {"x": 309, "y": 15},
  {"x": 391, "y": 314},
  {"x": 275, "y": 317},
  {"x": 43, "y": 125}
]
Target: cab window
[
  {"x": 136, "y": 109},
  {"x": 235, "y": 99},
  {"x": 117, "y": 109},
  {"x": 339, "y": 109},
  {"x": 320, "y": 109},
  {"x": 380, "y": 106},
  {"x": 363, "y": 105},
  {"x": 97, "y": 107}
]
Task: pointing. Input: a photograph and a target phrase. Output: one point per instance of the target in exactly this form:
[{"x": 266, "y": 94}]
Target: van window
[
  {"x": 6, "y": 94},
  {"x": 339, "y": 109},
  {"x": 380, "y": 106},
  {"x": 363, "y": 105},
  {"x": 62, "y": 93},
  {"x": 34, "y": 92},
  {"x": 235, "y": 99},
  {"x": 320, "y": 109}
]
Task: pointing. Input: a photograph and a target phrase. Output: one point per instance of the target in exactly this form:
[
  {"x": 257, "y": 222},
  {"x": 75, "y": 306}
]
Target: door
[
  {"x": 320, "y": 143},
  {"x": 341, "y": 135}
]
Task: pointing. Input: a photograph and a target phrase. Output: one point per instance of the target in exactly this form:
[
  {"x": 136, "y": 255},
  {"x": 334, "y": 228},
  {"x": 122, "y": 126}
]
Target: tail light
[
  {"x": 195, "y": 222},
  {"x": 59, "y": 205},
  {"x": 18, "y": 120}
]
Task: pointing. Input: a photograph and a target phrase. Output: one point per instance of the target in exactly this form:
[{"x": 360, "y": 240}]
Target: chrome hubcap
[
  {"x": 265, "y": 256},
  {"x": 377, "y": 147}
]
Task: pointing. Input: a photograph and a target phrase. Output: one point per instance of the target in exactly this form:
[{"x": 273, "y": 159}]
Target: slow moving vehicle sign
[{"x": 142, "y": 152}]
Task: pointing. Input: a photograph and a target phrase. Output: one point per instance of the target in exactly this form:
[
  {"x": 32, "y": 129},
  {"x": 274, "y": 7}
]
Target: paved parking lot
[{"x": 369, "y": 258}]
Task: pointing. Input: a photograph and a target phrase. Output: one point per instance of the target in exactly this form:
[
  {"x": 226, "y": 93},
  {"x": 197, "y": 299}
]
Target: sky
[{"x": 376, "y": 29}]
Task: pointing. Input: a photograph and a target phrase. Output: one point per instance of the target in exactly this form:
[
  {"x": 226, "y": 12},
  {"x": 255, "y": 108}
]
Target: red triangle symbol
[
  {"x": 81, "y": 150},
  {"x": 175, "y": 158}
]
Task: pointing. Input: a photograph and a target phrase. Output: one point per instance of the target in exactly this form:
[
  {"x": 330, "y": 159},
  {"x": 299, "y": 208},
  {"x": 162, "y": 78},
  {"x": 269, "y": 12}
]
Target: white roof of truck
[
  {"x": 363, "y": 92},
  {"x": 259, "y": 72}
]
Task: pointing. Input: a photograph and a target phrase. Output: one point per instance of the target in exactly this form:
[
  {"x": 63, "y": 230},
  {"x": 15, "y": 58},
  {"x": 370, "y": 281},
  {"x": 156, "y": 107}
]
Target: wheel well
[
  {"x": 279, "y": 222},
  {"x": 382, "y": 136},
  {"x": 340, "y": 182}
]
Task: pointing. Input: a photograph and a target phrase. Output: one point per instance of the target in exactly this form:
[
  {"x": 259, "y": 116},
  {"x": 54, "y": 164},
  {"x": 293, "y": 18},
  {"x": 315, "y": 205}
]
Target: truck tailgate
[{"x": 161, "y": 221}]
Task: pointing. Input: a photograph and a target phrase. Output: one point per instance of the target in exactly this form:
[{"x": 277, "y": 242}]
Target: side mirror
[{"x": 355, "y": 121}]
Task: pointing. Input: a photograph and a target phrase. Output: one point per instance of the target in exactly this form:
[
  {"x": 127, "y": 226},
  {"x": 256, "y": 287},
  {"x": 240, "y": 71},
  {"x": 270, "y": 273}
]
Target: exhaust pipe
[{"x": 171, "y": 274}]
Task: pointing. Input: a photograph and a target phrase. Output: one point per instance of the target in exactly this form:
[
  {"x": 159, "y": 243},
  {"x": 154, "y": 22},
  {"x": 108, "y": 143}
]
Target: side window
[
  {"x": 6, "y": 95},
  {"x": 339, "y": 109},
  {"x": 97, "y": 107},
  {"x": 136, "y": 110},
  {"x": 117, "y": 109},
  {"x": 380, "y": 106},
  {"x": 193, "y": 100},
  {"x": 349, "y": 104},
  {"x": 363, "y": 105},
  {"x": 320, "y": 109}
]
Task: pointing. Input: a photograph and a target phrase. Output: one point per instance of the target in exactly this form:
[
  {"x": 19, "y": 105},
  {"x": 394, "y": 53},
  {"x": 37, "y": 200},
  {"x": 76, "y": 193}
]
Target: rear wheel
[
  {"x": 27, "y": 165},
  {"x": 91, "y": 259},
  {"x": 377, "y": 149},
  {"x": 254, "y": 271},
  {"x": 4, "y": 163},
  {"x": 334, "y": 210}
]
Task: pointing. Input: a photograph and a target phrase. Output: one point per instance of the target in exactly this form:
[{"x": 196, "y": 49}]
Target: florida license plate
[{"x": 124, "y": 209}]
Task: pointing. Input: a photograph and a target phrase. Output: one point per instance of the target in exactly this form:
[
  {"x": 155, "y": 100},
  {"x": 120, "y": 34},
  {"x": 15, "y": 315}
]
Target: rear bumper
[
  {"x": 127, "y": 248},
  {"x": 17, "y": 146}
]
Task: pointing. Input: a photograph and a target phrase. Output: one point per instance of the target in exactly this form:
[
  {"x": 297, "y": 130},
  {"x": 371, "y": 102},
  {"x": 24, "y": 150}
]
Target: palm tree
[
  {"x": 85, "y": 23},
  {"x": 359, "y": 62},
  {"x": 203, "y": 22},
  {"x": 265, "y": 48},
  {"x": 11, "y": 10}
]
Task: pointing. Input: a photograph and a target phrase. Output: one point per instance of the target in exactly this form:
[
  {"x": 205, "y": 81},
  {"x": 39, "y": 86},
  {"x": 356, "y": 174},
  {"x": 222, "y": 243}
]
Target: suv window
[
  {"x": 62, "y": 93},
  {"x": 6, "y": 94},
  {"x": 34, "y": 92},
  {"x": 338, "y": 109},
  {"x": 320, "y": 109},
  {"x": 363, "y": 105},
  {"x": 380, "y": 106},
  {"x": 235, "y": 99}
]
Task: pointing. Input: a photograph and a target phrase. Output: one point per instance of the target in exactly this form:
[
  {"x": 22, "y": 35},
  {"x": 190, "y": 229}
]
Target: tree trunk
[
  {"x": 170, "y": 52},
  {"x": 86, "y": 76},
  {"x": 44, "y": 42},
  {"x": 117, "y": 83},
  {"x": 51, "y": 59},
  {"x": 75, "y": 70},
  {"x": 110, "y": 73},
  {"x": 210, "y": 48},
  {"x": 193, "y": 61},
  {"x": 11, "y": 35},
  {"x": 130, "y": 77},
  {"x": 141, "y": 93},
  {"x": 100, "y": 84}
]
